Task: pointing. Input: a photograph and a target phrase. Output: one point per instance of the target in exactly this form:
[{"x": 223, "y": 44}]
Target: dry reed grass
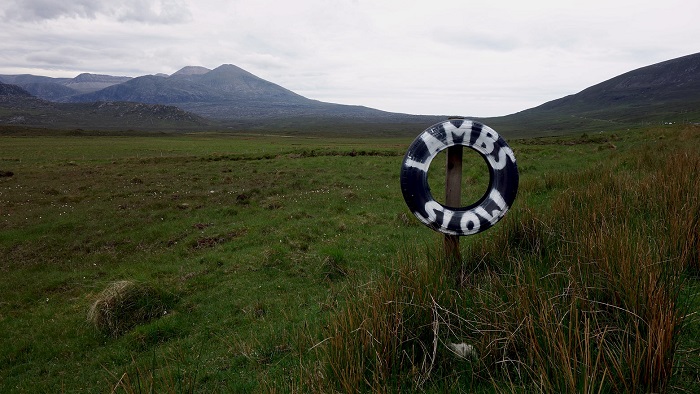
[{"x": 582, "y": 297}]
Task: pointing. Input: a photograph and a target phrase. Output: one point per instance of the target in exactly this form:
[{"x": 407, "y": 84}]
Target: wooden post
[{"x": 453, "y": 191}]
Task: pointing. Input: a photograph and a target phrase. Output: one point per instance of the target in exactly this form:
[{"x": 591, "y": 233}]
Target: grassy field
[{"x": 291, "y": 264}]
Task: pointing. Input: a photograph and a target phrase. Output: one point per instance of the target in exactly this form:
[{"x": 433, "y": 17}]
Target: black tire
[{"x": 490, "y": 208}]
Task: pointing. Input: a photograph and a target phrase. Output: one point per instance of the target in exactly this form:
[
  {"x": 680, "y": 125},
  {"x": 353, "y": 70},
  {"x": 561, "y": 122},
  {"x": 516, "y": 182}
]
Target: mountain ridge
[
  {"x": 190, "y": 70},
  {"x": 232, "y": 97},
  {"x": 664, "y": 92}
]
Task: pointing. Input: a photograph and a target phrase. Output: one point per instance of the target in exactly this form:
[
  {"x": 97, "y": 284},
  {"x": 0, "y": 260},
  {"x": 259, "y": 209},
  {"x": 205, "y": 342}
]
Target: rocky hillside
[
  {"x": 9, "y": 91},
  {"x": 59, "y": 89},
  {"x": 19, "y": 107}
]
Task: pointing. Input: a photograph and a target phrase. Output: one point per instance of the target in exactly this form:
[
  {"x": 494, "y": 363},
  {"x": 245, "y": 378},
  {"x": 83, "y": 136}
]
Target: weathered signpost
[
  {"x": 453, "y": 191},
  {"x": 453, "y": 219}
]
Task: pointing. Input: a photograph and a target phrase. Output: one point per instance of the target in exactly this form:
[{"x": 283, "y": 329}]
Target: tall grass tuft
[
  {"x": 157, "y": 376},
  {"x": 583, "y": 296},
  {"x": 124, "y": 304}
]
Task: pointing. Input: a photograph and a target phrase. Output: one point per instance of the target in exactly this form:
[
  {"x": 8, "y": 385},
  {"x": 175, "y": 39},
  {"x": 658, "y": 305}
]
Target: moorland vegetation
[{"x": 219, "y": 262}]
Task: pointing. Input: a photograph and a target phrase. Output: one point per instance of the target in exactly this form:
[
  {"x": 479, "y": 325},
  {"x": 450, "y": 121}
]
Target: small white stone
[{"x": 463, "y": 350}]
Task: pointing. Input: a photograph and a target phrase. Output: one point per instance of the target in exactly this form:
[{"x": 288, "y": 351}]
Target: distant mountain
[
  {"x": 51, "y": 91},
  {"x": 231, "y": 97},
  {"x": 19, "y": 107},
  {"x": 85, "y": 83},
  {"x": 190, "y": 70},
  {"x": 229, "y": 93},
  {"x": 661, "y": 93},
  {"x": 12, "y": 91},
  {"x": 149, "y": 89},
  {"x": 672, "y": 81},
  {"x": 196, "y": 85},
  {"x": 24, "y": 79},
  {"x": 235, "y": 83},
  {"x": 59, "y": 89},
  {"x": 227, "y": 96}
]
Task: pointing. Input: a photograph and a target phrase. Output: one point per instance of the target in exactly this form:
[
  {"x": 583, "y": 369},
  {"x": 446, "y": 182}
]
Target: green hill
[{"x": 667, "y": 92}]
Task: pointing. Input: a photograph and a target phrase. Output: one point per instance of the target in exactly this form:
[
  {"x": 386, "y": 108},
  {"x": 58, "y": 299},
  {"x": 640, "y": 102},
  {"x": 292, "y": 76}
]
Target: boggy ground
[{"x": 267, "y": 248}]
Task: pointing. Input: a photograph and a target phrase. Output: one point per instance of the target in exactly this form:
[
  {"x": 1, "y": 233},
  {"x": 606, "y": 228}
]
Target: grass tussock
[
  {"x": 124, "y": 304},
  {"x": 583, "y": 296}
]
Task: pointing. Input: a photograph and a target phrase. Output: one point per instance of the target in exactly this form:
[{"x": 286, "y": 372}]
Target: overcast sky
[{"x": 472, "y": 58}]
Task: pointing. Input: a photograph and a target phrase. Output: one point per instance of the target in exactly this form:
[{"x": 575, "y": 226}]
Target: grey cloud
[
  {"x": 37, "y": 10},
  {"x": 142, "y": 11},
  {"x": 50, "y": 59}
]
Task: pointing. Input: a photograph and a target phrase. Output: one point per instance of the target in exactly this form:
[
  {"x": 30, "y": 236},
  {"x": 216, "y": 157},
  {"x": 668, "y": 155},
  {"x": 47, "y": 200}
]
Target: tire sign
[{"x": 490, "y": 208}]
